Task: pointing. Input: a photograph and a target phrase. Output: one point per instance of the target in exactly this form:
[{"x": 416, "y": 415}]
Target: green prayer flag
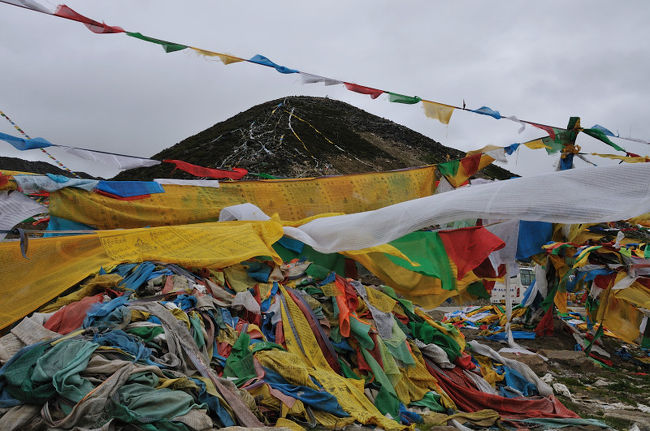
[
  {"x": 167, "y": 46},
  {"x": 427, "y": 249},
  {"x": 240, "y": 362},
  {"x": 386, "y": 400},
  {"x": 431, "y": 400},
  {"x": 428, "y": 334},
  {"x": 449, "y": 169},
  {"x": 400, "y": 98},
  {"x": 595, "y": 133},
  {"x": 146, "y": 333},
  {"x": 347, "y": 371},
  {"x": 645, "y": 343},
  {"x": 477, "y": 289},
  {"x": 322, "y": 263}
]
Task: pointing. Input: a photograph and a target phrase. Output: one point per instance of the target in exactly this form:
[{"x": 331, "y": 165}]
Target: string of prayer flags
[
  {"x": 372, "y": 92},
  {"x": 167, "y": 46},
  {"x": 457, "y": 172},
  {"x": 260, "y": 59},
  {"x": 37, "y": 143},
  {"x": 200, "y": 171},
  {"x": 400, "y": 98},
  {"x": 496, "y": 152},
  {"x": 64, "y": 11},
  {"x": 437, "y": 111},
  {"x": 225, "y": 58}
]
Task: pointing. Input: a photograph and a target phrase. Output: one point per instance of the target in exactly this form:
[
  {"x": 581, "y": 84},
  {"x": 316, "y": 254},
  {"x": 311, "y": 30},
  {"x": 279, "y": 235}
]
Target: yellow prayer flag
[
  {"x": 640, "y": 159},
  {"x": 225, "y": 58},
  {"x": 537, "y": 144},
  {"x": 485, "y": 149},
  {"x": 437, "y": 111},
  {"x": 55, "y": 264}
]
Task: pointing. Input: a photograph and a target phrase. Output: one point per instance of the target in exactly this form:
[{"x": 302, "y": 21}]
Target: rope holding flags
[
  {"x": 441, "y": 112},
  {"x": 559, "y": 139}
]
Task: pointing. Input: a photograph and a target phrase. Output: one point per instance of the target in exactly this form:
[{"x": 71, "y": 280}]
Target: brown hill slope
[
  {"x": 304, "y": 137},
  {"x": 36, "y": 167}
]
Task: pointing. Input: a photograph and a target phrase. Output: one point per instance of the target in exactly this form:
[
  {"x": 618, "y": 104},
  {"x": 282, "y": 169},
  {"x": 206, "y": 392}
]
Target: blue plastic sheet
[
  {"x": 23, "y": 144},
  {"x": 260, "y": 59}
]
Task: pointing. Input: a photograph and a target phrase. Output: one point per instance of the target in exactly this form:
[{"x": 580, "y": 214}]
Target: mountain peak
[{"x": 302, "y": 136}]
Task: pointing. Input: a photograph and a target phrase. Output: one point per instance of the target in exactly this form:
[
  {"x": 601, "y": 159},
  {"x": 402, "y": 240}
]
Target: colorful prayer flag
[
  {"x": 200, "y": 171},
  {"x": 372, "y": 92},
  {"x": 64, "y": 11},
  {"x": 225, "y": 58},
  {"x": 400, "y": 98},
  {"x": 260, "y": 59},
  {"x": 167, "y": 46},
  {"x": 437, "y": 111},
  {"x": 602, "y": 136},
  {"x": 23, "y": 144},
  {"x": 484, "y": 110},
  {"x": 308, "y": 78}
]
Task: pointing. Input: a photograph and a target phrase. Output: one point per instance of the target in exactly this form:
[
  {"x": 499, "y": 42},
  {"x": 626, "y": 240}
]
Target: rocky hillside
[
  {"x": 304, "y": 137},
  {"x": 16, "y": 164}
]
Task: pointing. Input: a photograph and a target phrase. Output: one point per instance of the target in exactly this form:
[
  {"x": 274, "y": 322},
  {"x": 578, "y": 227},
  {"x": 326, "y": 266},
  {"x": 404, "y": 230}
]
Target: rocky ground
[{"x": 619, "y": 396}]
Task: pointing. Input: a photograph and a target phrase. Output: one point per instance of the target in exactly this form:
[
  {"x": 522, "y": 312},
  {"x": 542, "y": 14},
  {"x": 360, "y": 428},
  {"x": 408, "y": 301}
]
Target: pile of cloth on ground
[{"x": 159, "y": 346}]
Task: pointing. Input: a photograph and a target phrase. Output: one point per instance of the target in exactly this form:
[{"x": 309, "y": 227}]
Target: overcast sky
[{"x": 542, "y": 61}]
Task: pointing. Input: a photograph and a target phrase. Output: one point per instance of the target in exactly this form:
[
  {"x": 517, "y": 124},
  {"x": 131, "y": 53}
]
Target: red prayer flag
[
  {"x": 545, "y": 326},
  {"x": 464, "y": 393},
  {"x": 471, "y": 163},
  {"x": 548, "y": 129},
  {"x": 373, "y": 92},
  {"x": 200, "y": 171},
  {"x": 64, "y": 11},
  {"x": 468, "y": 247}
]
